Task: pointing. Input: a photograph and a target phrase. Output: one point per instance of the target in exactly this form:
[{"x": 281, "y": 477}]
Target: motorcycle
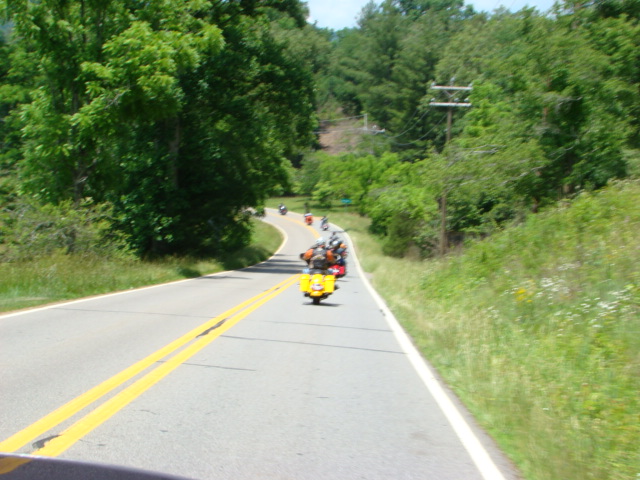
[
  {"x": 324, "y": 224},
  {"x": 316, "y": 285},
  {"x": 308, "y": 219},
  {"x": 283, "y": 210},
  {"x": 338, "y": 270},
  {"x": 339, "y": 249}
]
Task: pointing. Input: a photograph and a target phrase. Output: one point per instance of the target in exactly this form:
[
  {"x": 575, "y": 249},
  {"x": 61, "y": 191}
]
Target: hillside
[{"x": 342, "y": 136}]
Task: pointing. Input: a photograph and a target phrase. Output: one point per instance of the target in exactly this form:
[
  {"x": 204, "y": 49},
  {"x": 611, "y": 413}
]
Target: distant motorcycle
[
  {"x": 324, "y": 223},
  {"x": 283, "y": 210},
  {"x": 308, "y": 219}
]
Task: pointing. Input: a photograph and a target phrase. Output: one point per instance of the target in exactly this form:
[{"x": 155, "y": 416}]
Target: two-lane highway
[{"x": 235, "y": 375}]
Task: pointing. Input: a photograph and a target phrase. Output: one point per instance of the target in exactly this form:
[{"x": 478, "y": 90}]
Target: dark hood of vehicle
[{"x": 30, "y": 467}]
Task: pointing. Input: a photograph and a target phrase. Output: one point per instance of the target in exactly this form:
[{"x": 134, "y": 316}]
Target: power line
[
  {"x": 414, "y": 142},
  {"x": 342, "y": 119},
  {"x": 414, "y": 123},
  {"x": 339, "y": 130}
]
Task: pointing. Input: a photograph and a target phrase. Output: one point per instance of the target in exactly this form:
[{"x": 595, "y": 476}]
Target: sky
[{"x": 338, "y": 14}]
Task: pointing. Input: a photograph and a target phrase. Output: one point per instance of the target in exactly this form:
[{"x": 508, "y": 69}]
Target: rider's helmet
[
  {"x": 320, "y": 242},
  {"x": 335, "y": 244}
]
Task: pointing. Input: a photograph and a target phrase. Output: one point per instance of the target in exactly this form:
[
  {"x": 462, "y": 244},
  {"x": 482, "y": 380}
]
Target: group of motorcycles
[
  {"x": 319, "y": 283},
  {"x": 308, "y": 218}
]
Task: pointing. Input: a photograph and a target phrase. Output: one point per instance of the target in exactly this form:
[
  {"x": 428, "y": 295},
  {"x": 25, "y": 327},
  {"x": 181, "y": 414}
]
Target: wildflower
[{"x": 521, "y": 295}]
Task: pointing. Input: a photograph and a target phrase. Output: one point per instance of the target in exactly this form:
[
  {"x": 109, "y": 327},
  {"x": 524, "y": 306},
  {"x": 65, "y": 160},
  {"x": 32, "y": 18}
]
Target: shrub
[{"x": 30, "y": 230}]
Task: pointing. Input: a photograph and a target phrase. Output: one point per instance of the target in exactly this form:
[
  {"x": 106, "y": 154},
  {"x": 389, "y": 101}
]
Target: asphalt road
[{"x": 236, "y": 376}]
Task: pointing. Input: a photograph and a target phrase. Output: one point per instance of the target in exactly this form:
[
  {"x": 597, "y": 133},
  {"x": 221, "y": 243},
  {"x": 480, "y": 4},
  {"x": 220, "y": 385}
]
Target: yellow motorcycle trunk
[
  {"x": 305, "y": 279},
  {"x": 329, "y": 283},
  {"x": 317, "y": 285}
]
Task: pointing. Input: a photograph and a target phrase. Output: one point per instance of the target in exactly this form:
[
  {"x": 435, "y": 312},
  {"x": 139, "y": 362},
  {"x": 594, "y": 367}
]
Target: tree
[
  {"x": 560, "y": 92},
  {"x": 402, "y": 208},
  {"x": 9, "y": 96},
  {"x": 247, "y": 111},
  {"x": 145, "y": 106},
  {"x": 384, "y": 67},
  {"x": 58, "y": 159}
]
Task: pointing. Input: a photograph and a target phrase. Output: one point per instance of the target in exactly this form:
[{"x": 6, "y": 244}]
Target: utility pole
[{"x": 451, "y": 102}]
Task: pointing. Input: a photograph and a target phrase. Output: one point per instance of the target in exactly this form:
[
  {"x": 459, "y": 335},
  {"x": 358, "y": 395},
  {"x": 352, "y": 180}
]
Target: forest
[{"x": 158, "y": 128}]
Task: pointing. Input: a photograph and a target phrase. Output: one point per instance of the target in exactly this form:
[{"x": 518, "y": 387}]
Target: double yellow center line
[{"x": 197, "y": 339}]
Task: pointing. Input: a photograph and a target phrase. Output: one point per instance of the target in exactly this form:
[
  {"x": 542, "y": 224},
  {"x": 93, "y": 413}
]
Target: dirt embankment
[{"x": 340, "y": 136}]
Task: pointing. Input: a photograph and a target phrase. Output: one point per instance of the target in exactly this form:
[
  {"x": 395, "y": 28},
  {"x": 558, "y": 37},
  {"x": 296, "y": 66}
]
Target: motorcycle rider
[
  {"x": 337, "y": 246},
  {"x": 308, "y": 218},
  {"x": 339, "y": 251},
  {"x": 318, "y": 257},
  {"x": 324, "y": 223},
  {"x": 282, "y": 209}
]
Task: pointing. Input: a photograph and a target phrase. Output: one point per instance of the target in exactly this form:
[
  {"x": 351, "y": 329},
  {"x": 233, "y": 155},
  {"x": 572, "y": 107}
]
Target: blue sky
[{"x": 338, "y": 14}]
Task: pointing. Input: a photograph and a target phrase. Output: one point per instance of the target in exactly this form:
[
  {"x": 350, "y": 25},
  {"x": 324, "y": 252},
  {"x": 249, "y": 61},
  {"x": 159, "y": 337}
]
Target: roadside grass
[
  {"x": 61, "y": 277},
  {"x": 536, "y": 329}
]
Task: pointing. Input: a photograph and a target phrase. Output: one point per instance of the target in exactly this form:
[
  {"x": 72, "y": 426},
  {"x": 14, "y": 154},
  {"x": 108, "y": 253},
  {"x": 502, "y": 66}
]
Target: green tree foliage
[
  {"x": 383, "y": 68},
  {"x": 548, "y": 117},
  {"x": 13, "y": 90},
  {"x": 344, "y": 74},
  {"x": 613, "y": 29},
  {"x": 181, "y": 114},
  {"x": 420, "y": 50},
  {"x": 248, "y": 111},
  {"x": 403, "y": 208},
  {"x": 349, "y": 176},
  {"x": 57, "y": 37},
  {"x": 560, "y": 90},
  {"x": 5, "y": 108}
]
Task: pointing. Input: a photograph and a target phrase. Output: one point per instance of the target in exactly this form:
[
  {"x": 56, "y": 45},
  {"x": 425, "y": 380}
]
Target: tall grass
[
  {"x": 537, "y": 329},
  {"x": 59, "y": 276}
]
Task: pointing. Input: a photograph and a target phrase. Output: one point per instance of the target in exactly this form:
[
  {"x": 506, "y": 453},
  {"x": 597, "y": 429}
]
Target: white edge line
[
  {"x": 285, "y": 237},
  {"x": 476, "y": 450},
  {"x": 94, "y": 297},
  {"x": 139, "y": 289}
]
